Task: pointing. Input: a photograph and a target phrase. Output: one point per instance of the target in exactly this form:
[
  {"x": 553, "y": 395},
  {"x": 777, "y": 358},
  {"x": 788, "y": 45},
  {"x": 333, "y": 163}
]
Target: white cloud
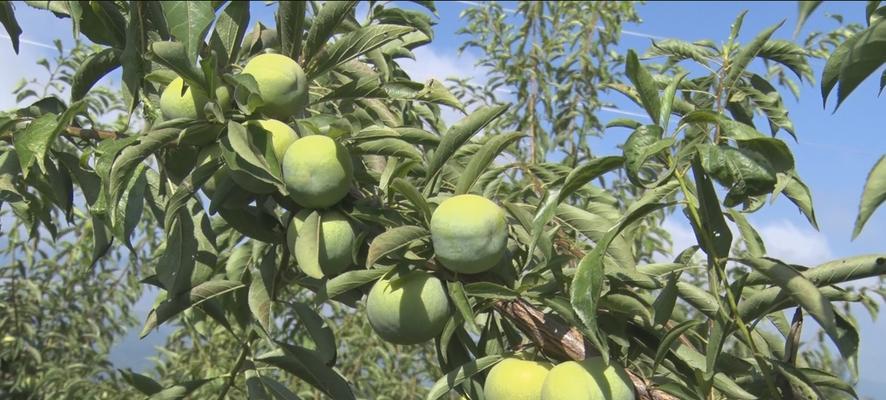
[
  {"x": 783, "y": 239},
  {"x": 787, "y": 242}
]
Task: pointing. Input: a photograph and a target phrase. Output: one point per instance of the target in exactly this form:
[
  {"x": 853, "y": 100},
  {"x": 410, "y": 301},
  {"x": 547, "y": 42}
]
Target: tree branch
[
  {"x": 560, "y": 341},
  {"x": 86, "y": 133}
]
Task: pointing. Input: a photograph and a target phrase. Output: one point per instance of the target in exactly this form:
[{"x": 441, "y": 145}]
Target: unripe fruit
[
  {"x": 516, "y": 379},
  {"x": 280, "y": 135},
  {"x": 174, "y": 104},
  {"x": 317, "y": 171},
  {"x": 235, "y": 198},
  {"x": 408, "y": 308},
  {"x": 589, "y": 380},
  {"x": 336, "y": 244},
  {"x": 469, "y": 233},
  {"x": 281, "y": 83}
]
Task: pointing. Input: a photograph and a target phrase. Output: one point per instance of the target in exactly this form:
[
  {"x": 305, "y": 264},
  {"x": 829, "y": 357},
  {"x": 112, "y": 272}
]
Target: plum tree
[
  {"x": 334, "y": 252},
  {"x": 407, "y": 308},
  {"x": 537, "y": 243},
  {"x": 281, "y": 84},
  {"x": 469, "y": 233},
  {"x": 317, "y": 171},
  {"x": 516, "y": 379},
  {"x": 590, "y": 379}
]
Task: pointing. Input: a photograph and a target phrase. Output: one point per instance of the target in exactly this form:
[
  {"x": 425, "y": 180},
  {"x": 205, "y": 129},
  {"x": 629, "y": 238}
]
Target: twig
[{"x": 563, "y": 342}]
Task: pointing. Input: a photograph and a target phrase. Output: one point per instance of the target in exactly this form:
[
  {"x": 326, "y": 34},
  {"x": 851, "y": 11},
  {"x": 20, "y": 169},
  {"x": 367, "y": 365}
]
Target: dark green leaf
[
  {"x": 455, "y": 377},
  {"x": 291, "y": 26},
  {"x": 96, "y": 66},
  {"x": 747, "y": 54},
  {"x": 7, "y": 17},
  {"x": 188, "y": 22},
  {"x": 184, "y": 301},
  {"x": 459, "y": 133},
  {"x": 873, "y": 196},
  {"x": 352, "y": 45},
  {"x": 393, "y": 240},
  {"x": 328, "y": 19},
  {"x": 304, "y": 364},
  {"x": 230, "y": 29},
  {"x": 481, "y": 160},
  {"x": 645, "y": 84}
]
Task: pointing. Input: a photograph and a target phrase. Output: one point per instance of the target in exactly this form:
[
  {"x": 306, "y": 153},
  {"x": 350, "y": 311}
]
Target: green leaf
[
  {"x": 408, "y": 190},
  {"x": 142, "y": 383},
  {"x": 328, "y": 19},
  {"x": 587, "y": 284},
  {"x": 459, "y": 133},
  {"x": 752, "y": 239},
  {"x": 277, "y": 389},
  {"x": 713, "y": 235},
  {"x": 576, "y": 179},
  {"x": 173, "y": 55},
  {"x": 393, "y": 240},
  {"x": 489, "y": 290},
  {"x": 746, "y": 172},
  {"x": 387, "y": 147},
  {"x": 318, "y": 330},
  {"x": 32, "y": 142},
  {"x": 230, "y": 29},
  {"x": 664, "y": 304},
  {"x": 798, "y": 193},
  {"x": 291, "y": 26},
  {"x": 463, "y": 305},
  {"x": 672, "y": 335},
  {"x": 644, "y": 143},
  {"x": 7, "y": 18},
  {"x": 188, "y": 22},
  {"x": 866, "y": 54},
  {"x": 305, "y": 364},
  {"x": 457, "y": 376},
  {"x": 254, "y": 222},
  {"x": 93, "y": 68},
  {"x": 179, "y": 390},
  {"x": 366, "y": 87},
  {"x": 186, "y": 190},
  {"x": 804, "y": 10},
  {"x": 747, "y": 54},
  {"x": 260, "y": 303},
  {"x": 645, "y": 84},
  {"x": 873, "y": 196},
  {"x": 667, "y": 103},
  {"x": 699, "y": 299},
  {"x": 311, "y": 232},
  {"x": 352, "y": 45},
  {"x": 348, "y": 281},
  {"x": 186, "y": 300},
  {"x": 804, "y": 292},
  {"x": 481, "y": 160}
]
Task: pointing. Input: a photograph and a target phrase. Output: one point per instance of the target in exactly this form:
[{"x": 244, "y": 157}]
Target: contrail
[{"x": 30, "y": 42}]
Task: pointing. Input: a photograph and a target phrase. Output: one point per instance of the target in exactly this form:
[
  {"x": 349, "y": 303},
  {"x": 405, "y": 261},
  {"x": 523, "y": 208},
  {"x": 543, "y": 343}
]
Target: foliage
[{"x": 250, "y": 324}]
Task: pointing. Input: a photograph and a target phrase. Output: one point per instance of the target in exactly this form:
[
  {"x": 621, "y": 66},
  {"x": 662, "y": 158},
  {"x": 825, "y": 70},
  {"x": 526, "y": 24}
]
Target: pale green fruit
[
  {"x": 282, "y": 84},
  {"x": 175, "y": 104},
  {"x": 469, "y": 233},
  {"x": 516, "y": 379},
  {"x": 335, "y": 248},
  {"x": 235, "y": 198},
  {"x": 280, "y": 134},
  {"x": 589, "y": 380},
  {"x": 408, "y": 308},
  {"x": 317, "y": 171}
]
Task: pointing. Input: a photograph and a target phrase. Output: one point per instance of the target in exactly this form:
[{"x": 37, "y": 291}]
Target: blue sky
[{"x": 834, "y": 153}]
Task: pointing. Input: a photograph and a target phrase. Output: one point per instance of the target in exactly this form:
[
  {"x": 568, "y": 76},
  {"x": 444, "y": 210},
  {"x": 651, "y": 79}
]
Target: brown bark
[{"x": 560, "y": 341}]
